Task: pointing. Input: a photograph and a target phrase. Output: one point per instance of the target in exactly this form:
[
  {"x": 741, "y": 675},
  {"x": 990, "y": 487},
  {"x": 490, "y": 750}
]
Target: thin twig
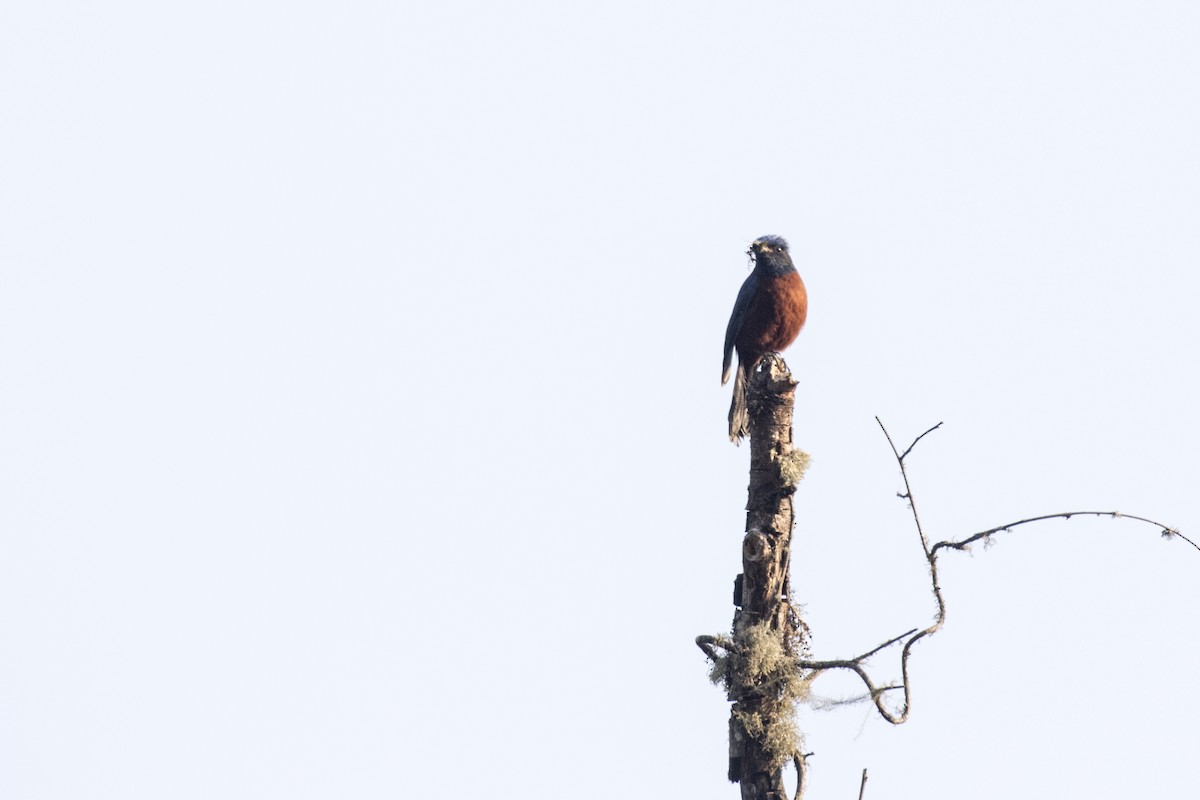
[
  {"x": 963, "y": 544},
  {"x": 862, "y": 787},
  {"x": 829, "y": 703},
  {"x": 888, "y": 643},
  {"x": 914, "y": 444}
]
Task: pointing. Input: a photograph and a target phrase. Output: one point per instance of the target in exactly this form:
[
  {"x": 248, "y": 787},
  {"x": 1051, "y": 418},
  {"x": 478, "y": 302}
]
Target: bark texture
[{"x": 769, "y": 638}]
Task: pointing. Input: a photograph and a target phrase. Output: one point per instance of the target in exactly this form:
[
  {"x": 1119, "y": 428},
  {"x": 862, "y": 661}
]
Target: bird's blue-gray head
[
  {"x": 770, "y": 254},
  {"x": 769, "y": 243}
]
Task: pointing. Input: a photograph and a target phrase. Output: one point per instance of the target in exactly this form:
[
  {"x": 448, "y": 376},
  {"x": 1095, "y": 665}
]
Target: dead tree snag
[{"x": 760, "y": 665}]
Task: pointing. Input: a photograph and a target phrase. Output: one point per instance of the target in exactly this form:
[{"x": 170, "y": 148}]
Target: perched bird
[{"x": 769, "y": 312}]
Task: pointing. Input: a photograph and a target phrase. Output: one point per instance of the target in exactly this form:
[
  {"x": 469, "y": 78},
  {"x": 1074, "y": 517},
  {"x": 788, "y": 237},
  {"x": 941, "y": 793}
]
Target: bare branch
[
  {"x": 963, "y": 544},
  {"x": 801, "y": 762},
  {"x": 709, "y": 644},
  {"x": 875, "y": 692},
  {"x": 913, "y": 636},
  {"x": 862, "y": 787},
  {"x": 904, "y": 455},
  {"x": 886, "y": 644}
]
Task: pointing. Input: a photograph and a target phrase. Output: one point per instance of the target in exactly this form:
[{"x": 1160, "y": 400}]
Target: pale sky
[{"x": 361, "y": 433}]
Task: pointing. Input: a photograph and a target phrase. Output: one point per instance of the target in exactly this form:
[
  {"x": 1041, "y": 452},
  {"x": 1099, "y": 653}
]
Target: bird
[{"x": 769, "y": 312}]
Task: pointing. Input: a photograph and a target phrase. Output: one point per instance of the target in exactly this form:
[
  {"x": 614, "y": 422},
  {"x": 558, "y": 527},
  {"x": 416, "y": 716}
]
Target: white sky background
[{"x": 360, "y": 428}]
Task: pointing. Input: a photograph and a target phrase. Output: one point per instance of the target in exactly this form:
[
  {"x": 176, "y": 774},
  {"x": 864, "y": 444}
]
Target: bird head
[
  {"x": 771, "y": 252},
  {"x": 768, "y": 244}
]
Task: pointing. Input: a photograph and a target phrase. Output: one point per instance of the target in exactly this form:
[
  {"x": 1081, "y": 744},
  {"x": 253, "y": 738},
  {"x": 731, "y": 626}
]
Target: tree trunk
[{"x": 768, "y": 635}]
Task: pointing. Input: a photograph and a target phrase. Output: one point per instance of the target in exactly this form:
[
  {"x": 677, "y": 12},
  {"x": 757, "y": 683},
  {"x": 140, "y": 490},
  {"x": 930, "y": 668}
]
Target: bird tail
[{"x": 739, "y": 413}]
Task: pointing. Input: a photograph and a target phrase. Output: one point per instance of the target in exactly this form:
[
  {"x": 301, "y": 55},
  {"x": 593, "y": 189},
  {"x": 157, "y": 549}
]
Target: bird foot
[{"x": 767, "y": 359}]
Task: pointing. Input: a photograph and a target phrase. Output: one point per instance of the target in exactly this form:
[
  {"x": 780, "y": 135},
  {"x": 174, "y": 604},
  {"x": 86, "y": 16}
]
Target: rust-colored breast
[{"x": 775, "y": 317}]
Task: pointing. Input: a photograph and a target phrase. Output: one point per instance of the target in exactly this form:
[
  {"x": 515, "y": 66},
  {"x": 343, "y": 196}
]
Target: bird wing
[{"x": 736, "y": 320}]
